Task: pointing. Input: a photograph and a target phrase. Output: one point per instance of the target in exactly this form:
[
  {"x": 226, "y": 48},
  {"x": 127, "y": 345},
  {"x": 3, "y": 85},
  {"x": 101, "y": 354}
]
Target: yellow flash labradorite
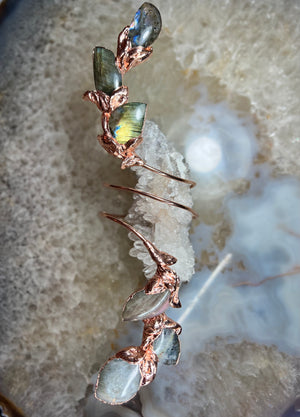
[{"x": 127, "y": 121}]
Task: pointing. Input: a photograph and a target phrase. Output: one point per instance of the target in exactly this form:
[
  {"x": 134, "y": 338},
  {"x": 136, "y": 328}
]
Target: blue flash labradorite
[
  {"x": 145, "y": 26},
  {"x": 127, "y": 121},
  {"x": 106, "y": 75}
]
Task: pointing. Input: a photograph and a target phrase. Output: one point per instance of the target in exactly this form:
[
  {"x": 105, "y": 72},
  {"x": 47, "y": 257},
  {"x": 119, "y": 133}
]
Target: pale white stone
[
  {"x": 141, "y": 306},
  {"x": 118, "y": 382}
]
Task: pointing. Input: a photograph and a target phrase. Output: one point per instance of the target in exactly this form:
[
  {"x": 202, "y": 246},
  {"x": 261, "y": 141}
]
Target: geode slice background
[{"x": 223, "y": 85}]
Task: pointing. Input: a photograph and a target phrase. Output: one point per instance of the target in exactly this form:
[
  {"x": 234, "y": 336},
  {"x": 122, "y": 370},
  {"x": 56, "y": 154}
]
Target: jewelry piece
[
  {"x": 123, "y": 122},
  {"x": 127, "y": 371},
  {"x": 131, "y": 368},
  {"x": 165, "y": 281}
]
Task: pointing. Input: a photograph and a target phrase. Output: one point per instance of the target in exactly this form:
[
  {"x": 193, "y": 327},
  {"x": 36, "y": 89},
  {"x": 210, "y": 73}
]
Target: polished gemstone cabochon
[
  {"x": 145, "y": 26},
  {"x": 106, "y": 75},
  {"x": 142, "y": 306},
  {"x": 127, "y": 121},
  {"x": 167, "y": 347},
  {"x": 118, "y": 381}
]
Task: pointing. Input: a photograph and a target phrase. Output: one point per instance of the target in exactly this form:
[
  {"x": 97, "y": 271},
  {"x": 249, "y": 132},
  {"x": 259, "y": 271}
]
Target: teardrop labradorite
[
  {"x": 126, "y": 122},
  {"x": 118, "y": 381},
  {"x": 106, "y": 75},
  {"x": 167, "y": 347},
  {"x": 145, "y": 26},
  {"x": 140, "y": 305}
]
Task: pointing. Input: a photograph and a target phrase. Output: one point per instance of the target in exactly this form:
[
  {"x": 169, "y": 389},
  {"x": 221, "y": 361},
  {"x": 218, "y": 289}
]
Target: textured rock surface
[
  {"x": 262, "y": 381},
  {"x": 64, "y": 273}
]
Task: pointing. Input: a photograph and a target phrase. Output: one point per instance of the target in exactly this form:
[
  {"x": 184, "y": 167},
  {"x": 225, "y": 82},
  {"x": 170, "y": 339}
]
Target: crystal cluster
[{"x": 157, "y": 220}]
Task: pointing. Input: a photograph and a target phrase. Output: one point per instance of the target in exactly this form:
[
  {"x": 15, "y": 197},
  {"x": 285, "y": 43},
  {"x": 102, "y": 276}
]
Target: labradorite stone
[
  {"x": 118, "y": 381},
  {"x": 167, "y": 347},
  {"x": 106, "y": 75},
  {"x": 145, "y": 26},
  {"x": 142, "y": 306},
  {"x": 127, "y": 121}
]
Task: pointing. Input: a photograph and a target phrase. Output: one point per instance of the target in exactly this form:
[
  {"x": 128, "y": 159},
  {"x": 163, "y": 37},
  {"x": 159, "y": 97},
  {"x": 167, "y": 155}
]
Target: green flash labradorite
[
  {"x": 127, "y": 121},
  {"x": 145, "y": 26},
  {"x": 106, "y": 75}
]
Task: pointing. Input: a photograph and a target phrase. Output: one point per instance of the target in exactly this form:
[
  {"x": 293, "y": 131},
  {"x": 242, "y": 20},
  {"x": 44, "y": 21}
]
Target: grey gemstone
[
  {"x": 167, "y": 347},
  {"x": 118, "y": 381},
  {"x": 145, "y": 26},
  {"x": 141, "y": 306},
  {"x": 106, "y": 75}
]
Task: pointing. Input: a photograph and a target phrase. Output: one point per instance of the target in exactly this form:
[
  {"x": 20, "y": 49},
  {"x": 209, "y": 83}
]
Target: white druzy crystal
[{"x": 165, "y": 226}]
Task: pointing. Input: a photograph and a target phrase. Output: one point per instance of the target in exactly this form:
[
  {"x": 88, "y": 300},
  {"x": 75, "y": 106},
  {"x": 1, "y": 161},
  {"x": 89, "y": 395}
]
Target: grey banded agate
[
  {"x": 142, "y": 306},
  {"x": 118, "y": 381},
  {"x": 106, "y": 75},
  {"x": 167, "y": 347},
  {"x": 145, "y": 26}
]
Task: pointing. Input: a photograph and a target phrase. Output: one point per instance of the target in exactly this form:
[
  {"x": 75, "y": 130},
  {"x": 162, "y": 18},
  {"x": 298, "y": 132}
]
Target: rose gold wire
[
  {"x": 165, "y": 174},
  {"x": 153, "y": 251},
  {"x": 164, "y": 278},
  {"x": 153, "y": 196}
]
